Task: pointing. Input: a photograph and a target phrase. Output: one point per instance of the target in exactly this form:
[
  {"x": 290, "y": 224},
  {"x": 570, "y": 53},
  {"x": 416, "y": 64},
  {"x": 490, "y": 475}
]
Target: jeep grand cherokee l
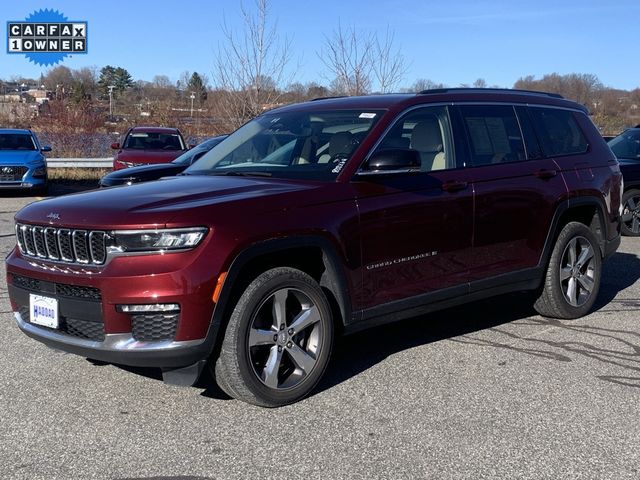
[{"x": 317, "y": 218}]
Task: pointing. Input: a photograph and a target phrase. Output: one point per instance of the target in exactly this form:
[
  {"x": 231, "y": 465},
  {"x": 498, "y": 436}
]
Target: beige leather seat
[
  {"x": 427, "y": 139},
  {"x": 340, "y": 143}
]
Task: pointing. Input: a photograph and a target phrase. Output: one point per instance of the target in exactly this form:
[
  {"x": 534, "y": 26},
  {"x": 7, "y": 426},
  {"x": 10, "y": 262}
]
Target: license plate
[{"x": 44, "y": 310}]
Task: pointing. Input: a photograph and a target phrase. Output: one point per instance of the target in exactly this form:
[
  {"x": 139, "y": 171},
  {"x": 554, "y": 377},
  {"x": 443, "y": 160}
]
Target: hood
[
  {"x": 142, "y": 173},
  {"x": 10, "y": 157},
  {"x": 161, "y": 203},
  {"x": 148, "y": 156}
]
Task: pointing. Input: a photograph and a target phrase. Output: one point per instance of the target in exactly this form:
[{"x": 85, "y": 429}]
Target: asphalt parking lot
[{"x": 489, "y": 390}]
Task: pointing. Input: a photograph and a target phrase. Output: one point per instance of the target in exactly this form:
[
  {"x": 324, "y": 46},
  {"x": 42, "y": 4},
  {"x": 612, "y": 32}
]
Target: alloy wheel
[
  {"x": 284, "y": 339},
  {"x": 577, "y": 271},
  {"x": 631, "y": 214}
]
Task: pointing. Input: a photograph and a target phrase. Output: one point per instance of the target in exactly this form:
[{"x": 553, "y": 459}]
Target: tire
[
  {"x": 573, "y": 275},
  {"x": 278, "y": 341},
  {"x": 630, "y": 224}
]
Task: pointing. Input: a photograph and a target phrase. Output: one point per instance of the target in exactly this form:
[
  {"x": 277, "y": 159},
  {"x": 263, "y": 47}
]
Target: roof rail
[
  {"x": 490, "y": 90},
  {"x": 327, "y": 98}
]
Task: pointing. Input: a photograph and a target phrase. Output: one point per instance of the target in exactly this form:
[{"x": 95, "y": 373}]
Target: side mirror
[
  {"x": 115, "y": 146},
  {"x": 45, "y": 148},
  {"x": 393, "y": 160}
]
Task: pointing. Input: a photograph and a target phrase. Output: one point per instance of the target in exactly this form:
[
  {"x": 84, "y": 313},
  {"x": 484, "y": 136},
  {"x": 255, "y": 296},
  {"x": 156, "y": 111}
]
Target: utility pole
[
  {"x": 111, "y": 87},
  {"x": 192, "y": 97}
]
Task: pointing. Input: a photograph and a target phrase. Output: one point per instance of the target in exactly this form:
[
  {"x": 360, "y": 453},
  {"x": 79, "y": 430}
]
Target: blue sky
[{"x": 450, "y": 42}]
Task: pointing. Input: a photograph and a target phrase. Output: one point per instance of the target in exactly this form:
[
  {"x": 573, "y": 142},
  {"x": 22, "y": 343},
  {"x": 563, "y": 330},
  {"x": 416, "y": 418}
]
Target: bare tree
[
  {"x": 423, "y": 84},
  {"x": 161, "y": 81},
  {"x": 359, "y": 61},
  {"x": 388, "y": 63},
  {"x": 348, "y": 56},
  {"x": 58, "y": 77},
  {"x": 250, "y": 66},
  {"x": 480, "y": 83}
]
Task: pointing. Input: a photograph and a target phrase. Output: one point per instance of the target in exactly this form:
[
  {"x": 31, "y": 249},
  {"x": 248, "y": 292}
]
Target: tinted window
[
  {"x": 427, "y": 131},
  {"x": 558, "y": 131},
  {"x": 627, "y": 144},
  {"x": 494, "y": 134},
  {"x": 534, "y": 150}
]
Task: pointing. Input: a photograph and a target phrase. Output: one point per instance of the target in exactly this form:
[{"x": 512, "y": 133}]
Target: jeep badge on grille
[{"x": 54, "y": 216}]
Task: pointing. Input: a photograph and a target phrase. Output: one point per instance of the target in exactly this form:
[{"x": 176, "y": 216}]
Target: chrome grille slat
[
  {"x": 51, "y": 241},
  {"x": 20, "y": 239},
  {"x": 64, "y": 243},
  {"x": 97, "y": 247},
  {"x": 84, "y": 247},
  {"x": 80, "y": 247},
  {"x": 38, "y": 241},
  {"x": 28, "y": 240}
]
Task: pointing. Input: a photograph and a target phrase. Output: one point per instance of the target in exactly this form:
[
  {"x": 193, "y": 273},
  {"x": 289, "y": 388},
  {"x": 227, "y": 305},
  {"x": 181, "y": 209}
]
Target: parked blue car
[{"x": 22, "y": 163}]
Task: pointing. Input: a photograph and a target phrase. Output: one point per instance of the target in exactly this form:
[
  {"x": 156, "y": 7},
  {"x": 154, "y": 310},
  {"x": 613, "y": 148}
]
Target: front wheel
[
  {"x": 573, "y": 275},
  {"x": 278, "y": 340}
]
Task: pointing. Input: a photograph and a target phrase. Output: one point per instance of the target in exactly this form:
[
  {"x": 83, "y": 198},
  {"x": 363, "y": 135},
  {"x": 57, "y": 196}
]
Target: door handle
[
  {"x": 454, "y": 186},
  {"x": 545, "y": 174}
]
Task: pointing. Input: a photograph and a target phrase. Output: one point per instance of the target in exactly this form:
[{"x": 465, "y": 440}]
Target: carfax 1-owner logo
[{"x": 46, "y": 37}]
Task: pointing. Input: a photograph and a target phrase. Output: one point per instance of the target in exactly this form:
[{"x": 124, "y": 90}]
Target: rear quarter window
[{"x": 558, "y": 131}]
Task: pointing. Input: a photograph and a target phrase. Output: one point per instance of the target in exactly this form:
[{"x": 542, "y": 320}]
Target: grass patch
[{"x": 76, "y": 174}]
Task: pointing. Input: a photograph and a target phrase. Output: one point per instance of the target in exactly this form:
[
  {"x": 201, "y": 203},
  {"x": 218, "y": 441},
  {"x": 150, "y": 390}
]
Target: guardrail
[{"x": 80, "y": 162}]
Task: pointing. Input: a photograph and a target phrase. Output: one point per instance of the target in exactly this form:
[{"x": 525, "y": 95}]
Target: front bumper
[
  {"x": 93, "y": 325},
  {"x": 121, "y": 348},
  {"x": 24, "y": 181}
]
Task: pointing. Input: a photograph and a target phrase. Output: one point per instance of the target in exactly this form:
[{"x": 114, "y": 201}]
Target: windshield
[
  {"x": 314, "y": 145},
  {"x": 16, "y": 141},
  {"x": 154, "y": 141},
  {"x": 196, "y": 152},
  {"x": 627, "y": 144}
]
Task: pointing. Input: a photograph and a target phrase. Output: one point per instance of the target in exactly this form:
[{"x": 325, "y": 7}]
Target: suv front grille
[
  {"x": 11, "y": 173},
  {"x": 83, "y": 247}
]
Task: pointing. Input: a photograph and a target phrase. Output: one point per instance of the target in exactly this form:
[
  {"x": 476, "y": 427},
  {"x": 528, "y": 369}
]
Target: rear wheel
[
  {"x": 631, "y": 213},
  {"x": 573, "y": 275},
  {"x": 278, "y": 340}
]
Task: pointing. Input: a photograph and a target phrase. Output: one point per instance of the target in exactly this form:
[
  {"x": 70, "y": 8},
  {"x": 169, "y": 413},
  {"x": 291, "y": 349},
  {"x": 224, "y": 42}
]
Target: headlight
[
  {"x": 40, "y": 172},
  {"x": 123, "y": 241}
]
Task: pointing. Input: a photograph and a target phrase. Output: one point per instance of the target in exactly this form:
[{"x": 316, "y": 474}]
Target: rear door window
[
  {"x": 494, "y": 134},
  {"x": 558, "y": 131}
]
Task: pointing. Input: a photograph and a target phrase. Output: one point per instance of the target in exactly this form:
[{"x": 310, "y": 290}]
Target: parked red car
[{"x": 144, "y": 145}]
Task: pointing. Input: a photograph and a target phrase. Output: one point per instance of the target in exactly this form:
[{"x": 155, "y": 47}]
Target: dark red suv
[
  {"x": 323, "y": 218},
  {"x": 144, "y": 145}
]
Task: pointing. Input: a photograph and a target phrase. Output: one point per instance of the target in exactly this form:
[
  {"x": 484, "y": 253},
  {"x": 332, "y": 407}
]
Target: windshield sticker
[
  {"x": 367, "y": 115},
  {"x": 339, "y": 166}
]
